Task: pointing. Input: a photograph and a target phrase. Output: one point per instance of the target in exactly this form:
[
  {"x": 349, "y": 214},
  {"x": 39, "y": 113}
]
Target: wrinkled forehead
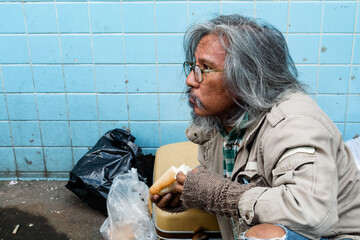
[{"x": 210, "y": 49}]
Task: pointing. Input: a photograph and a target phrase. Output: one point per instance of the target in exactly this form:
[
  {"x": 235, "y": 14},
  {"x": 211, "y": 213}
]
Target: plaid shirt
[{"x": 231, "y": 146}]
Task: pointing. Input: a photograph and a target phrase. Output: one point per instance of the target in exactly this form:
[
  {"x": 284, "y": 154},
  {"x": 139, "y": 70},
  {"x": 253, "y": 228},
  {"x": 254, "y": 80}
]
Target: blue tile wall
[
  {"x": 79, "y": 78},
  {"x": 76, "y": 49},
  {"x": 18, "y": 79},
  {"x": 14, "y": 49},
  {"x": 48, "y": 79},
  {"x": 7, "y": 162},
  {"x": 72, "y": 70},
  {"x": 110, "y": 78},
  {"x": 12, "y": 18},
  {"x": 73, "y": 17}
]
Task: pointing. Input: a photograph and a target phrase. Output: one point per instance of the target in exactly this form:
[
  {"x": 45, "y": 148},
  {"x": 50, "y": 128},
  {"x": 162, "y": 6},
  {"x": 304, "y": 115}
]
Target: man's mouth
[{"x": 193, "y": 100}]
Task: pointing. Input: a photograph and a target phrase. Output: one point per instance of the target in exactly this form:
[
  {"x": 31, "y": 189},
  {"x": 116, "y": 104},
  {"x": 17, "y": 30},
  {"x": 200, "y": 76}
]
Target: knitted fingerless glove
[{"x": 208, "y": 191}]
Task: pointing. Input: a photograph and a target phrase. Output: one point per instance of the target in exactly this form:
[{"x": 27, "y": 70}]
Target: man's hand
[{"x": 171, "y": 200}]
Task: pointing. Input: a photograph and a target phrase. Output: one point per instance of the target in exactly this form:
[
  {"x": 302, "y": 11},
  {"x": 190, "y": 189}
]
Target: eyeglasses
[{"x": 198, "y": 71}]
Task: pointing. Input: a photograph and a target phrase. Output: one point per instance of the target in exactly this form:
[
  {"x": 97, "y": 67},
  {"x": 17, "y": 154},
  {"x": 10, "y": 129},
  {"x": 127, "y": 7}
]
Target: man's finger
[
  {"x": 155, "y": 198},
  {"x": 175, "y": 200},
  {"x": 180, "y": 178},
  {"x": 163, "y": 202},
  {"x": 179, "y": 187}
]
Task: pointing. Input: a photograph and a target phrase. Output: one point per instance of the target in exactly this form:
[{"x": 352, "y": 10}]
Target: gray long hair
[{"x": 259, "y": 70}]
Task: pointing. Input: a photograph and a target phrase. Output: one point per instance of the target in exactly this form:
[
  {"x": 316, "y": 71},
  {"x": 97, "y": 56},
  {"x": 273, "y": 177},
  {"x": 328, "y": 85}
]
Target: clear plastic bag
[{"x": 128, "y": 217}]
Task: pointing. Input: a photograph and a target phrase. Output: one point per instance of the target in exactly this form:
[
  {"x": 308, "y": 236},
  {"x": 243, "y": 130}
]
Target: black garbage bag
[{"x": 114, "y": 153}]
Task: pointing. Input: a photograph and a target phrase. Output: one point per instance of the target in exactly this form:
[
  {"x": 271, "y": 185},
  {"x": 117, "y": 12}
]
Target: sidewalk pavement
[{"x": 45, "y": 210}]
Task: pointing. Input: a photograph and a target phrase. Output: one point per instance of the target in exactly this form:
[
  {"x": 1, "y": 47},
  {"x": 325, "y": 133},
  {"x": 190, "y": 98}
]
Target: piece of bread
[{"x": 166, "y": 183}]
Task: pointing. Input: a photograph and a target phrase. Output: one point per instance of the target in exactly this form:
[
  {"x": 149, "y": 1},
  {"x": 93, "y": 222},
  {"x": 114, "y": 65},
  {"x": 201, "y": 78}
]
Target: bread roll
[{"x": 166, "y": 183}]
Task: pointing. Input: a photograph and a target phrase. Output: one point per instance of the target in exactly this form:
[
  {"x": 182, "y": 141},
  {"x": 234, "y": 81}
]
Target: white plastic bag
[
  {"x": 128, "y": 217},
  {"x": 354, "y": 145}
]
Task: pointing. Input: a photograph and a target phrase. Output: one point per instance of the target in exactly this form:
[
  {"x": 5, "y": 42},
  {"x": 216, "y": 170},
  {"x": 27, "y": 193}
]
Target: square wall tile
[
  {"x": 333, "y": 105},
  {"x": 73, "y": 17},
  {"x": 29, "y": 159},
  {"x": 304, "y": 48},
  {"x": 201, "y": 11},
  {"x": 333, "y": 79},
  {"x": 243, "y": 8},
  {"x": 141, "y": 78},
  {"x": 79, "y": 78},
  {"x": 143, "y": 107},
  {"x": 48, "y": 78},
  {"x": 7, "y": 160},
  {"x": 105, "y": 17},
  {"x": 308, "y": 76},
  {"x": 52, "y": 106},
  {"x": 138, "y": 17},
  {"x": 79, "y": 152},
  {"x": 45, "y": 49},
  {"x": 171, "y": 12},
  {"x": 18, "y": 79},
  {"x": 3, "y": 110},
  {"x": 110, "y": 78},
  {"x": 171, "y": 78},
  {"x": 108, "y": 48},
  {"x": 332, "y": 53},
  {"x": 353, "y": 113},
  {"x": 146, "y": 134},
  {"x": 170, "y": 49},
  {"x": 112, "y": 107},
  {"x": 41, "y": 17},
  {"x": 140, "y": 49},
  {"x": 305, "y": 17},
  {"x": 26, "y": 133},
  {"x": 76, "y": 48},
  {"x": 58, "y": 159},
  {"x": 339, "y": 17},
  {"x": 107, "y": 126},
  {"x": 84, "y": 134},
  {"x": 22, "y": 106},
  {"x": 173, "y": 132},
  {"x": 12, "y": 18},
  {"x": 14, "y": 49},
  {"x": 352, "y": 129},
  {"x": 355, "y": 80},
  {"x": 5, "y": 136},
  {"x": 356, "y": 50},
  {"x": 55, "y": 133},
  {"x": 82, "y": 107},
  {"x": 174, "y": 107},
  {"x": 274, "y": 13}
]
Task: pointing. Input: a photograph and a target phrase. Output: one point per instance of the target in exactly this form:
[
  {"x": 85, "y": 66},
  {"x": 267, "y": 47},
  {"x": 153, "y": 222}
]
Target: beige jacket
[{"x": 313, "y": 181}]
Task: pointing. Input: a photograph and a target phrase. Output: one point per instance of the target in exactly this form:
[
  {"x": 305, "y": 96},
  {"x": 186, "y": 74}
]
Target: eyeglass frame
[{"x": 192, "y": 69}]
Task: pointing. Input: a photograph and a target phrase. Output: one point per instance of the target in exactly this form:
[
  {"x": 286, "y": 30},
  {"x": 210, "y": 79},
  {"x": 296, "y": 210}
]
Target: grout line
[
  {"x": 319, "y": 50},
  {"x": 65, "y": 88},
  {"x": 157, "y": 73},
  {"x": 9, "y": 122},
  {"x": 351, "y": 68},
  {"x": 125, "y": 67},
  {"x": 288, "y": 21},
  {"x": 35, "y": 93},
  {"x": 93, "y": 64}
]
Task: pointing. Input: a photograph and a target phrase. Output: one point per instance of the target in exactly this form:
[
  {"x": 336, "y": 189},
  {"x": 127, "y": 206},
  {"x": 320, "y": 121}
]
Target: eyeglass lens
[{"x": 197, "y": 71}]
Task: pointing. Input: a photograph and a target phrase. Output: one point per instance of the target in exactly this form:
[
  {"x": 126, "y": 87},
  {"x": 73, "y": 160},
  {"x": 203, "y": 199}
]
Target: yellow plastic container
[{"x": 180, "y": 225}]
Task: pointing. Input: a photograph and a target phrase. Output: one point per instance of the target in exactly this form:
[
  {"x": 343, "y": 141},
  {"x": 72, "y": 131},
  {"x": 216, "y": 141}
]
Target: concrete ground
[{"x": 46, "y": 210}]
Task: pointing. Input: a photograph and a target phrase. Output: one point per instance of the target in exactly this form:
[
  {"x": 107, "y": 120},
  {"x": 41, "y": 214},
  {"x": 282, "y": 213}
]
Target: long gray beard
[{"x": 205, "y": 123}]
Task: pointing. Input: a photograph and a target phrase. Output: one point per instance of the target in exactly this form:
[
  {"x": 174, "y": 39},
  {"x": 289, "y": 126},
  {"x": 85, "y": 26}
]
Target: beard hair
[{"x": 205, "y": 123}]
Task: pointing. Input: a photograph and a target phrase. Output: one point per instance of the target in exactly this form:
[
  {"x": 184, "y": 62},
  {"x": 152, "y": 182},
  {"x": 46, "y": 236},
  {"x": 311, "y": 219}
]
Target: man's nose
[{"x": 191, "y": 81}]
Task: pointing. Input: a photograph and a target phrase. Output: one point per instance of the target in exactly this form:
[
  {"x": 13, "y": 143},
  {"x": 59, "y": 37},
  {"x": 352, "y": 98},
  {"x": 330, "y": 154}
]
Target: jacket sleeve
[{"x": 298, "y": 155}]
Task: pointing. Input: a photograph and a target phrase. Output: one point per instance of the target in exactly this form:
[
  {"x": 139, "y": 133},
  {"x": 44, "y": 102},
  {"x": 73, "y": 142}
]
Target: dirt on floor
[{"x": 45, "y": 210}]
